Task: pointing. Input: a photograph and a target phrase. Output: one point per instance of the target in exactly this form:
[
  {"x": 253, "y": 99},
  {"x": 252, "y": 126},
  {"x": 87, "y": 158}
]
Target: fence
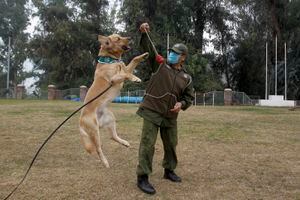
[
  {"x": 20, "y": 93},
  {"x": 7, "y": 93},
  {"x": 210, "y": 98},
  {"x": 39, "y": 94},
  {"x": 217, "y": 98},
  {"x": 213, "y": 98},
  {"x": 68, "y": 94}
]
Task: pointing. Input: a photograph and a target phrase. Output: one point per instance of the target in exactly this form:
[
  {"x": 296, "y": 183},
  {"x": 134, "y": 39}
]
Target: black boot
[
  {"x": 169, "y": 174},
  {"x": 144, "y": 185}
]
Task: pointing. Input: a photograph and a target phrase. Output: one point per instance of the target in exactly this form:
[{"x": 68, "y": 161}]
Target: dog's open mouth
[{"x": 125, "y": 48}]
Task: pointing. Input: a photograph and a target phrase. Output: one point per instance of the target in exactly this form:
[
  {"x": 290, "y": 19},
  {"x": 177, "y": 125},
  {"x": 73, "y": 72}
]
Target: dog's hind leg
[
  {"x": 107, "y": 120},
  {"x": 111, "y": 127},
  {"x": 99, "y": 150},
  {"x": 87, "y": 141},
  {"x": 90, "y": 137}
]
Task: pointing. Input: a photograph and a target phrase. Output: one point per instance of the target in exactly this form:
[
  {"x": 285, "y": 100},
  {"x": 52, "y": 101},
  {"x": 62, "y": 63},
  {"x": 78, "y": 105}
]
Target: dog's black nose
[{"x": 126, "y": 48}]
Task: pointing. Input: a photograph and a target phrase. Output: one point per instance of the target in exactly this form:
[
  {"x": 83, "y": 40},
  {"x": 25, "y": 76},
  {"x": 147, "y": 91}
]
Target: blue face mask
[{"x": 173, "y": 58}]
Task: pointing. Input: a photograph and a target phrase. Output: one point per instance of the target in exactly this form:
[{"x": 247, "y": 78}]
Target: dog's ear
[{"x": 104, "y": 41}]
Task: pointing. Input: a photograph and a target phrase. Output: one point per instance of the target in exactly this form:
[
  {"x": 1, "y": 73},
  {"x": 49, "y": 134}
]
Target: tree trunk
[
  {"x": 274, "y": 18},
  {"x": 150, "y": 8},
  {"x": 200, "y": 20}
]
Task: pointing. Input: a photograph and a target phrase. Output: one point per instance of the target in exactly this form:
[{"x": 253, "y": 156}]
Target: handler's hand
[
  {"x": 177, "y": 107},
  {"x": 144, "y": 27}
]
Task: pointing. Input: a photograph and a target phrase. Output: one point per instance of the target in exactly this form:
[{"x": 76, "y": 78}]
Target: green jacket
[{"x": 167, "y": 86}]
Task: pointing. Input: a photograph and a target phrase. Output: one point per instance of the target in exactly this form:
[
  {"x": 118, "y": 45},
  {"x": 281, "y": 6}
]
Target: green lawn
[{"x": 223, "y": 152}]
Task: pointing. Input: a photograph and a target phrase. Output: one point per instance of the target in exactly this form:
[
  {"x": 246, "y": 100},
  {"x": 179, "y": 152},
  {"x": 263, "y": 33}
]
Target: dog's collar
[{"x": 108, "y": 60}]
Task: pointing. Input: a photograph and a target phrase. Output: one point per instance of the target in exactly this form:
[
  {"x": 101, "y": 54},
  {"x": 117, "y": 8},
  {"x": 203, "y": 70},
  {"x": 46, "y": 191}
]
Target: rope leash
[
  {"x": 153, "y": 46},
  {"x": 49, "y": 137}
]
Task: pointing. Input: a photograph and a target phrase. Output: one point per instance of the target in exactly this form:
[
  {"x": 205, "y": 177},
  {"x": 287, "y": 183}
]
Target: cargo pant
[{"x": 147, "y": 147}]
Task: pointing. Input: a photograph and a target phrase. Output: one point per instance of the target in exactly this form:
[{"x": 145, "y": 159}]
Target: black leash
[{"x": 48, "y": 138}]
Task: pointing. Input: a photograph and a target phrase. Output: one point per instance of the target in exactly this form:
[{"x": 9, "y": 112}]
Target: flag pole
[
  {"x": 285, "y": 78},
  {"x": 276, "y": 65},
  {"x": 266, "y": 90},
  {"x": 168, "y": 44},
  {"x": 8, "y": 67}
]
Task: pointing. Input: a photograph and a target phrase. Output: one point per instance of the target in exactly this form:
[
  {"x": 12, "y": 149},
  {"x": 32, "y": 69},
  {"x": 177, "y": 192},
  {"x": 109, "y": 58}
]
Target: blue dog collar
[{"x": 108, "y": 60}]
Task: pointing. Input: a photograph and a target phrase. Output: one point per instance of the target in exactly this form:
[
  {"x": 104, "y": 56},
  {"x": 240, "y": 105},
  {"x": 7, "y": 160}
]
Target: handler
[{"x": 169, "y": 90}]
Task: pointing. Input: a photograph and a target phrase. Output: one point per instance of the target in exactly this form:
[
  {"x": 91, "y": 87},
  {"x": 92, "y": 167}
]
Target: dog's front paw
[
  {"x": 145, "y": 56},
  {"x": 142, "y": 57},
  {"x": 136, "y": 79}
]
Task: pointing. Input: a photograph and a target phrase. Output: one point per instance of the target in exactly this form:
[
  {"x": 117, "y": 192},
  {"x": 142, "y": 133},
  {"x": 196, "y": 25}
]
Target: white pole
[
  {"x": 266, "y": 90},
  {"x": 195, "y": 98},
  {"x": 204, "y": 99},
  {"x": 276, "y": 65},
  {"x": 285, "y": 82},
  {"x": 213, "y": 98},
  {"x": 8, "y": 68},
  {"x": 168, "y": 44}
]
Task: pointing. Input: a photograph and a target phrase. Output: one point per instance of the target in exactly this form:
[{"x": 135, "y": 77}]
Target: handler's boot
[
  {"x": 169, "y": 174},
  {"x": 144, "y": 185}
]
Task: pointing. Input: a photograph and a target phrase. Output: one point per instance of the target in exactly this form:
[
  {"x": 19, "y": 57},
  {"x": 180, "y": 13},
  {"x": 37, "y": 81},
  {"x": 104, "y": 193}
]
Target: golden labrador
[{"x": 110, "y": 70}]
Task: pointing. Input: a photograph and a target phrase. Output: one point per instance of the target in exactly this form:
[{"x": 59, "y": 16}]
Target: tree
[
  {"x": 183, "y": 20},
  {"x": 293, "y": 46},
  {"x": 67, "y": 44},
  {"x": 13, "y": 21},
  {"x": 261, "y": 22},
  {"x": 66, "y": 48},
  {"x": 248, "y": 63}
]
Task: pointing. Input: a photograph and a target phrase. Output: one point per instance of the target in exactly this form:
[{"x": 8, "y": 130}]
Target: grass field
[{"x": 223, "y": 152}]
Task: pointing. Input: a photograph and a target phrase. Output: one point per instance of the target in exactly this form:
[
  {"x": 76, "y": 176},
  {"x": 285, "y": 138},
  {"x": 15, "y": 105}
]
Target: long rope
[
  {"x": 153, "y": 46},
  {"x": 49, "y": 137}
]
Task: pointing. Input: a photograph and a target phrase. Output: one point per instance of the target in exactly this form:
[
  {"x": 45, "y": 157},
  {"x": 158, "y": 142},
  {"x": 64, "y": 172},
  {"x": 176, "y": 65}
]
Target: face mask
[{"x": 173, "y": 58}]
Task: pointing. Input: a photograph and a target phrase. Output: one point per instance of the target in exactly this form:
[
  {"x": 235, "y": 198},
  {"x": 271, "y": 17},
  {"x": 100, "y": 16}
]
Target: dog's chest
[{"x": 109, "y": 70}]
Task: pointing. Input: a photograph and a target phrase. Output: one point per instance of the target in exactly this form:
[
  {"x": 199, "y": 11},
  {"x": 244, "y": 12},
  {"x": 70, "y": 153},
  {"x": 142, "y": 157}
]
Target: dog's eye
[{"x": 119, "y": 39}]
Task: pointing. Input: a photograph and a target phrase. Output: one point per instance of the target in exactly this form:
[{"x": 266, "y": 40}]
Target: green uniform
[{"x": 167, "y": 86}]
